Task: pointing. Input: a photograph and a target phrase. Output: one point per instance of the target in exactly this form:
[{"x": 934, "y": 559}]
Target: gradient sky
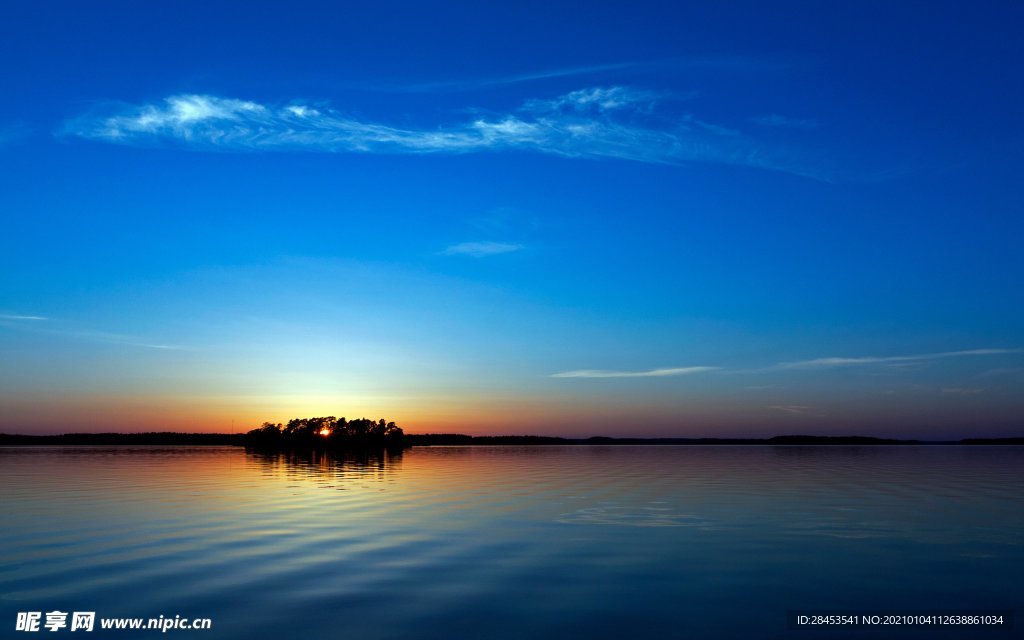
[{"x": 617, "y": 218}]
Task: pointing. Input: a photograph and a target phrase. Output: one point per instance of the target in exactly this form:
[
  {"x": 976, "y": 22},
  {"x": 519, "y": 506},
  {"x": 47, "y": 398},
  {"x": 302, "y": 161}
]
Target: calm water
[{"x": 509, "y": 542}]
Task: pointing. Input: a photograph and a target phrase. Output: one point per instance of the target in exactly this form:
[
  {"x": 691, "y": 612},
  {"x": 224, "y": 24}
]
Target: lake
[{"x": 513, "y": 542}]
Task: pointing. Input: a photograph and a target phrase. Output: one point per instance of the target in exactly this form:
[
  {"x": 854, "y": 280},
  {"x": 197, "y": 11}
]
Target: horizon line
[{"x": 567, "y": 439}]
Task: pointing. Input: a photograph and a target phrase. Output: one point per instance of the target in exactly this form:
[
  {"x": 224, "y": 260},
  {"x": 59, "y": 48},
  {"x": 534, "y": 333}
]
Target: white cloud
[
  {"x": 185, "y": 116},
  {"x": 68, "y": 330},
  {"x": 480, "y": 249},
  {"x": 15, "y": 317},
  {"x": 480, "y": 83},
  {"x": 593, "y": 99},
  {"x": 652, "y": 373},
  {"x": 1001, "y": 371},
  {"x": 798, "y": 409},
  {"x": 815, "y": 364},
  {"x": 302, "y": 111},
  {"x": 716, "y": 63},
  {"x": 596, "y": 122},
  {"x": 115, "y": 339},
  {"x": 822, "y": 363}
]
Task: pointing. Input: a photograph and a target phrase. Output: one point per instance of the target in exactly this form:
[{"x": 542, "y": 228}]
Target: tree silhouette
[{"x": 326, "y": 432}]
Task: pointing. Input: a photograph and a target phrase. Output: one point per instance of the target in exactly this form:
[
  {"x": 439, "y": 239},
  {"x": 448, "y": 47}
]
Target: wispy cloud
[
  {"x": 963, "y": 391},
  {"x": 16, "y": 317},
  {"x": 46, "y": 326},
  {"x": 115, "y": 339},
  {"x": 593, "y": 100},
  {"x": 711, "y": 63},
  {"x": 775, "y": 120},
  {"x": 597, "y": 122},
  {"x": 1001, "y": 371},
  {"x": 517, "y": 78},
  {"x": 651, "y": 373},
  {"x": 798, "y": 409},
  {"x": 125, "y": 340},
  {"x": 823, "y": 363},
  {"x": 481, "y": 249},
  {"x": 810, "y": 365}
]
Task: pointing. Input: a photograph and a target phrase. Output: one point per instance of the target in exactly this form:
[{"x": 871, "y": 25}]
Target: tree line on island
[{"x": 327, "y": 432}]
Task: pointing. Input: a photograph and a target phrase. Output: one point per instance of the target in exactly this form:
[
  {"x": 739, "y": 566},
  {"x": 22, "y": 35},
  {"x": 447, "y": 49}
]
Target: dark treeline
[
  {"x": 309, "y": 433},
  {"x": 326, "y": 432},
  {"x": 452, "y": 439},
  {"x": 161, "y": 438}
]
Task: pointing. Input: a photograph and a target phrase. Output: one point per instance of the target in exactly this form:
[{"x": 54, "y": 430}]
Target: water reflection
[
  {"x": 326, "y": 467},
  {"x": 510, "y": 542}
]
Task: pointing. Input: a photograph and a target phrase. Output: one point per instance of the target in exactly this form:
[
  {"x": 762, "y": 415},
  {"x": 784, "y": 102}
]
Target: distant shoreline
[{"x": 452, "y": 439}]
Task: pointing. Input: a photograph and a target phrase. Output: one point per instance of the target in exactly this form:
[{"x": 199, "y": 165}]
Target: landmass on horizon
[
  {"x": 331, "y": 433},
  {"x": 167, "y": 438}
]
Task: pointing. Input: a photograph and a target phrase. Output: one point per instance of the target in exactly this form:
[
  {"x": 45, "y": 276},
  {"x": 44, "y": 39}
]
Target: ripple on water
[
  {"x": 508, "y": 542},
  {"x": 632, "y": 516}
]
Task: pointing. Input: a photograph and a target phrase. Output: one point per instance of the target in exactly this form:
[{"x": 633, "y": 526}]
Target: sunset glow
[{"x": 691, "y": 226}]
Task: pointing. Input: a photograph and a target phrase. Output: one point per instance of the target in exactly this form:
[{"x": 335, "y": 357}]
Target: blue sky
[{"x": 611, "y": 218}]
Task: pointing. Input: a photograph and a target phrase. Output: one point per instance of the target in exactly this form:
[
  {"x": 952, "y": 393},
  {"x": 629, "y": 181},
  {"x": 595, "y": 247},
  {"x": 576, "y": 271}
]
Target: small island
[{"x": 327, "y": 433}]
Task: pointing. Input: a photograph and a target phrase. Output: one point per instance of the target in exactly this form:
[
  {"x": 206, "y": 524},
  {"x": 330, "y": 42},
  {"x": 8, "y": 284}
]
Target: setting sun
[{"x": 488, "y": 320}]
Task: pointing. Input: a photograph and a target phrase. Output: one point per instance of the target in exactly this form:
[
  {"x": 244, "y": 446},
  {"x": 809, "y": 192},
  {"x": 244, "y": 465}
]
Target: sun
[{"x": 325, "y": 432}]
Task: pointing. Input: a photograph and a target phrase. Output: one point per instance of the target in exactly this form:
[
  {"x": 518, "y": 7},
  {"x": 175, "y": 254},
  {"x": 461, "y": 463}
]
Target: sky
[{"x": 722, "y": 219}]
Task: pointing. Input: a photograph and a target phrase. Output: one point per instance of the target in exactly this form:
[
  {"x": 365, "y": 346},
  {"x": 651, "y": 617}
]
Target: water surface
[{"x": 511, "y": 542}]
